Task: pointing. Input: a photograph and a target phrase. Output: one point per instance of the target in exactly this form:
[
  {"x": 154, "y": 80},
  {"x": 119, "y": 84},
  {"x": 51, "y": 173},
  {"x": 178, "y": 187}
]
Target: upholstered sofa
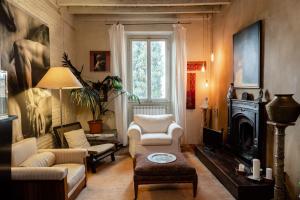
[
  {"x": 58, "y": 174},
  {"x": 158, "y": 133}
]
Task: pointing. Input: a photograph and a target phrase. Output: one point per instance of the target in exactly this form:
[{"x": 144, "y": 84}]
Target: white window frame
[{"x": 150, "y": 37}]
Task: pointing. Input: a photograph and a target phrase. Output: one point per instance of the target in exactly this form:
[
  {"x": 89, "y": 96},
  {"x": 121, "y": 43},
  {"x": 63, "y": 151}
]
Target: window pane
[
  {"x": 158, "y": 69},
  {"x": 139, "y": 68}
]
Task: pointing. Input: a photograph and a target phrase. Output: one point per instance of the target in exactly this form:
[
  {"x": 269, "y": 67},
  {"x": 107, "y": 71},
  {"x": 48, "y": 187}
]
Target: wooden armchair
[{"x": 72, "y": 136}]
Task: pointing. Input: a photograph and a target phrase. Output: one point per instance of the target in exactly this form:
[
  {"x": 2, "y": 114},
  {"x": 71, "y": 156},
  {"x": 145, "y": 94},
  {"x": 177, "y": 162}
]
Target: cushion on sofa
[
  {"x": 75, "y": 173},
  {"x": 77, "y": 139},
  {"x": 44, "y": 159},
  {"x": 154, "y": 123},
  {"x": 156, "y": 139},
  {"x": 23, "y": 150},
  {"x": 99, "y": 149}
]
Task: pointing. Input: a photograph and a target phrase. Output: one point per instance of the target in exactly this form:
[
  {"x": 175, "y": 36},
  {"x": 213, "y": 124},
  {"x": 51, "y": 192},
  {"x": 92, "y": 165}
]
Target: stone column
[{"x": 279, "y": 188}]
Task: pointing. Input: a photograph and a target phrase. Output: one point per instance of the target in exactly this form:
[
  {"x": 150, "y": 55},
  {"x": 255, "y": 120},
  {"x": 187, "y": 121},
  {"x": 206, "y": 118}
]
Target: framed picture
[
  {"x": 99, "y": 61},
  {"x": 247, "y": 57}
]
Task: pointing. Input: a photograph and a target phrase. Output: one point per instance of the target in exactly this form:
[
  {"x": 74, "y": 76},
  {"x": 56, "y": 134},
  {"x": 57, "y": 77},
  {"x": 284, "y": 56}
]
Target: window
[{"x": 149, "y": 68}]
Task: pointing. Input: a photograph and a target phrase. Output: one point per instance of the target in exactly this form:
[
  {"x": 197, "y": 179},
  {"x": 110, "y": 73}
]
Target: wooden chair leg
[
  {"x": 93, "y": 166},
  {"x": 136, "y": 188},
  {"x": 92, "y": 163},
  {"x": 112, "y": 157},
  {"x": 195, "y": 185}
]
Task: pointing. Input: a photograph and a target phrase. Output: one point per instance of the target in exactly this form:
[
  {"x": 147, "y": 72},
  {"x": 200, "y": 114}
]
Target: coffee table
[{"x": 178, "y": 171}]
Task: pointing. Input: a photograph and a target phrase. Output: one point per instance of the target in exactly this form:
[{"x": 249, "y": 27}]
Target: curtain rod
[{"x": 154, "y": 23}]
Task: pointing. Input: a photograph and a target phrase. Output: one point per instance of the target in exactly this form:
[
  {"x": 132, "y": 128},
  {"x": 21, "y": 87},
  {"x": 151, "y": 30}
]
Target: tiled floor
[{"x": 113, "y": 181}]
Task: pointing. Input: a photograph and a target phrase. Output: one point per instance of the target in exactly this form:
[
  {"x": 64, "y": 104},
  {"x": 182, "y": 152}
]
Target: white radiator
[{"x": 149, "y": 110}]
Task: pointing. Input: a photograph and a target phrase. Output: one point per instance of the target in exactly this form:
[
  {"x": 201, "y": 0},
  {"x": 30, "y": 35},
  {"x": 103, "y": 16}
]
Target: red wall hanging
[{"x": 191, "y": 91}]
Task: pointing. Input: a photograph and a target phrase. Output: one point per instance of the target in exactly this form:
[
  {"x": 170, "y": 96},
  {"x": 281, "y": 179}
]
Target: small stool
[{"x": 147, "y": 172}]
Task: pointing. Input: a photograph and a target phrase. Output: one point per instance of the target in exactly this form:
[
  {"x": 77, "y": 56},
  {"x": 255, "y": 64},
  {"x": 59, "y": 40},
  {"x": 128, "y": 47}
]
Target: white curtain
[
  {"x": 118, "y": 65},
  {"x": 179, "y": 76}
]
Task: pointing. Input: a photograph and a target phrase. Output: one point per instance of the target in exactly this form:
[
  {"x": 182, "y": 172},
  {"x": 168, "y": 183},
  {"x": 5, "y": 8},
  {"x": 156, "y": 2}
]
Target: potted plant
[{"x": 96, "y": 96}]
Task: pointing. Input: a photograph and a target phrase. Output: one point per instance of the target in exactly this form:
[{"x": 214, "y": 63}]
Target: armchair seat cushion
[
  {"x": 99, "y": 149},
  {"x": 156, "y": 139},
  {"x": 76, "y": 172}
]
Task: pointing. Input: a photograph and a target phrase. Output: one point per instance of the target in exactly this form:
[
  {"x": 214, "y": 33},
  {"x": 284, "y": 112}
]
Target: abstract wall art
[{"x": 247, "y": 56}]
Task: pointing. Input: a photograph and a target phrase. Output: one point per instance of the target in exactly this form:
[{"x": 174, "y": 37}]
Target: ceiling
[{"x": 142, "y": 7}]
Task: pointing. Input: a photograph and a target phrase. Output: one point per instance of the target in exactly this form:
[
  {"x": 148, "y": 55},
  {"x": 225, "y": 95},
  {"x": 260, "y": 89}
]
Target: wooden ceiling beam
[
  {"x": 142, "y": 3},
  {"x": 143, "y": 10}
]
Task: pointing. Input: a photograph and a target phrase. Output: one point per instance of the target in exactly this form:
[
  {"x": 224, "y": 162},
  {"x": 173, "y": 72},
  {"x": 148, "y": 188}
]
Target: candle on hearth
[
  {"x": 256, "y": 168},
  {"x": 241, "y": 167},
  {"x": 269, "y": 173}
]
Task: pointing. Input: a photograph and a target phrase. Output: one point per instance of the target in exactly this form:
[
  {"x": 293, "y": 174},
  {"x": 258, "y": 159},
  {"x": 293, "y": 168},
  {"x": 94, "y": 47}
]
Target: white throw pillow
[
  {"x": 77, "y": 139},
  {"x": 154, "y": 123},
  {"x": 44, "y": 159}
]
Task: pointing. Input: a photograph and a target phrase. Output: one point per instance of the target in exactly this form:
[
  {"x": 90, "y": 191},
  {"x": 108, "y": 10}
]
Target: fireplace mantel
[{"x": 253, "y": 114}]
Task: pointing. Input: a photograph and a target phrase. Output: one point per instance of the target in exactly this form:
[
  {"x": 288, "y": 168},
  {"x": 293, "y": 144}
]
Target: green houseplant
[{"x": 96, "y": 96}]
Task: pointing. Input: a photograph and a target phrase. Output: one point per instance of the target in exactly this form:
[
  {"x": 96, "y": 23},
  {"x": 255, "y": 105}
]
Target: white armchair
[
  {"x": 48, "y": 173},
  {"x": 154, "y": 133}
]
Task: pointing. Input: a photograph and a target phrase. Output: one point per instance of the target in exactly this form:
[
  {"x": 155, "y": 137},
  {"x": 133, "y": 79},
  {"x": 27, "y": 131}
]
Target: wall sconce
[
  {"x": 203, "y": 68},
  {"x": 212, "y": 57}
]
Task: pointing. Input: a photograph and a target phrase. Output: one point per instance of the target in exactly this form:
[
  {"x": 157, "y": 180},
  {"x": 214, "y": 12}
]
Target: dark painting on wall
[
  {"x": 191, "y": 91},
  {"x": 24, "y": 51},
  {"x": 247, "y": 56},
  {"x": 99, "y": 61}
]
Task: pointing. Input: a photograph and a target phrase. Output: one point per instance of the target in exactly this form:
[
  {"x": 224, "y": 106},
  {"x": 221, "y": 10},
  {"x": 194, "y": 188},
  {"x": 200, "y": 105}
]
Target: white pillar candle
[
  {"x": 241, "y": 167},
  {"x": 256, "y": 168},
  {"x": 269, "y": 173}
]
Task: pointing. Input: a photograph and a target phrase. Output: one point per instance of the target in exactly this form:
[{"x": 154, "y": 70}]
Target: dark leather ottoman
[{"x": 147, "y": 172}]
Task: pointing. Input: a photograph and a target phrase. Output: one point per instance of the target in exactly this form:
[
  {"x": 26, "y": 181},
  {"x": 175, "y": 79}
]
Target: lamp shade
[{"x": 59, "y": 78}]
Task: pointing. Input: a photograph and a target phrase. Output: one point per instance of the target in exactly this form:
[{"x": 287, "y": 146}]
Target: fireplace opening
[
  {"x": 245, "y": 143},
  {"x": 246, "y": 136}
]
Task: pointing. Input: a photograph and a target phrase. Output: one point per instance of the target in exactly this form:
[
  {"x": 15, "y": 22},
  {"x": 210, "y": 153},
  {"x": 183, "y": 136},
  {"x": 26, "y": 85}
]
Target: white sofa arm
[
  {"x": 38, "y": 173},
  {"x": 68, "y": 155},
  {"x": 134, "y": 132},
  {"x": 175, "y": 131}
]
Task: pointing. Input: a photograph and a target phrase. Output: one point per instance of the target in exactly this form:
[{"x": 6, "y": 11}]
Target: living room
[{"x": 211, "y": 78}]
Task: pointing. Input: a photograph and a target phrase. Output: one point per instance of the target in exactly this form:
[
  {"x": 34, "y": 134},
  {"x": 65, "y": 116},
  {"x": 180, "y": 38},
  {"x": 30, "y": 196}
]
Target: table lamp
[{"x": 59, "y": 78}]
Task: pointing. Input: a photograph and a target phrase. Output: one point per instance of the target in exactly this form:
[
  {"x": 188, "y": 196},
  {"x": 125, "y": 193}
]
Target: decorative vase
[
  {"x": 95, "y": 126},
  {"x": 283, "y": 109}
]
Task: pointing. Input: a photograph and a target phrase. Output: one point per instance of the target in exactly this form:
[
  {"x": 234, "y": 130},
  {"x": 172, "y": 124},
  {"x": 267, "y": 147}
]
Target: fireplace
[
  {"x": 246, "y": 140},
  {"x": 246, "y": 129}
]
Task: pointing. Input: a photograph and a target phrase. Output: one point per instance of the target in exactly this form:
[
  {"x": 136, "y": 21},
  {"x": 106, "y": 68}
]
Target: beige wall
[
  {"x": 92, "y": 34},
  {"x": 281, "y": 22},
  {"x": 62, "y": 37}
]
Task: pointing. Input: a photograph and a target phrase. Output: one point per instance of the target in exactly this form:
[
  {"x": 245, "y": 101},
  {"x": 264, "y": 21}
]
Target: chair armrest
[
  {"x": 134, "y": 132},
  {"x": 68, "y": 155},
  {"x": 175, "y": 131},
  {"x": 38, "y": 173}
]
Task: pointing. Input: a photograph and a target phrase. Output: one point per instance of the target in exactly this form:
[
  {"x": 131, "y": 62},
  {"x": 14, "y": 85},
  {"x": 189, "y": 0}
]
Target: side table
[{"x": 106, "y": 136}]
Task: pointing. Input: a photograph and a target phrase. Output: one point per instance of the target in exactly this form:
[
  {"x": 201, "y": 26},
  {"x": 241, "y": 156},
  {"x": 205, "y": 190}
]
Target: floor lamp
[{"x": 59, "y": 78}]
